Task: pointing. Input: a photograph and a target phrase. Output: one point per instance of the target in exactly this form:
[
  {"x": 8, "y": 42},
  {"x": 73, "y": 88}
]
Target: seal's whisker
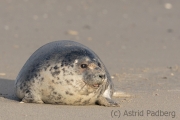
[{"x": 83, "y": 86}]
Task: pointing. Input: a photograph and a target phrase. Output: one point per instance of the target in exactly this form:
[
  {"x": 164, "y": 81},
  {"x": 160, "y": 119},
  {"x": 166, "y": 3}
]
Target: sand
[{"x": 138, "y": 41}]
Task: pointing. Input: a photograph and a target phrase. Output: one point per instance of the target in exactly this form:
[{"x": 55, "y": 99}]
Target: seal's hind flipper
[
  {"x": 119, "y": 94},
  {"x": 30, "y": 98}
]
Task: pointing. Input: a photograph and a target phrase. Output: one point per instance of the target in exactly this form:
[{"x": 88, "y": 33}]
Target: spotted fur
[{"x": 65, "y": 72}]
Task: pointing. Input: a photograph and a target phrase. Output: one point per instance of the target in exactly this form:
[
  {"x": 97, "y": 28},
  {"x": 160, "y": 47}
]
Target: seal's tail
[{"x": 119, "y": 94}]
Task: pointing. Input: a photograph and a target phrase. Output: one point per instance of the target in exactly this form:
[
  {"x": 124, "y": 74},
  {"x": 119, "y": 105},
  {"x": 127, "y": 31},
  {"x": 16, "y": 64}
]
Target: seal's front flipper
[
  {"x": 105, "y": 99},
  {"x": 107, "y": 102},
  {"x": 30, "y": 98}
]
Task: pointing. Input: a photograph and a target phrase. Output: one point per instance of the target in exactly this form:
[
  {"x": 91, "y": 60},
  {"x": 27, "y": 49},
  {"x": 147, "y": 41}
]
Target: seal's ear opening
[{"x": 99, "y": 64}]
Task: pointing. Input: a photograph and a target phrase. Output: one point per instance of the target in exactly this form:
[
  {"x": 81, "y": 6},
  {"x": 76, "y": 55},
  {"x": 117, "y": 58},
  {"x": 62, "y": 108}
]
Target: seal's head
[
  {"x": 87, "y": 65},
  {"x": 91, "y": 71}
]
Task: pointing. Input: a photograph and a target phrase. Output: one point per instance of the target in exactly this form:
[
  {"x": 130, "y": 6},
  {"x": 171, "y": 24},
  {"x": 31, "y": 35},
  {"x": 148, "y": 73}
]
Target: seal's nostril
[{"x": 102, "y": 76}]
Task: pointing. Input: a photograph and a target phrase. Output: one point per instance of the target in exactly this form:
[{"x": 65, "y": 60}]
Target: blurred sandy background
[{"x": 138, "y": 40}]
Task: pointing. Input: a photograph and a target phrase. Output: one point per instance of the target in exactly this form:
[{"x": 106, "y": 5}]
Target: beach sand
[{"x": 138, "y": 41}]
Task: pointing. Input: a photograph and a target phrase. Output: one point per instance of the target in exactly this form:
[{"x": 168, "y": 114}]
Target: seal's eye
[{"x": 83, "y": 65}]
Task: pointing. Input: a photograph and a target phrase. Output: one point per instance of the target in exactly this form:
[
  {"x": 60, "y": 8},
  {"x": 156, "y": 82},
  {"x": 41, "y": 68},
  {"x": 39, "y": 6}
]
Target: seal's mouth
[
  {"x": 95, "y": 81},
  {"x": 95, "y": 85}
]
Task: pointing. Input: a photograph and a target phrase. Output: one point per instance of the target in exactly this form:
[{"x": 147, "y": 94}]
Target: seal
[{"x": 67, "y": 73}]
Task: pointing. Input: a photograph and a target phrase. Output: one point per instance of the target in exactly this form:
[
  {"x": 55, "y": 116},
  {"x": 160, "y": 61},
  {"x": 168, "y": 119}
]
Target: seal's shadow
[{"x": 7, "y": 89}]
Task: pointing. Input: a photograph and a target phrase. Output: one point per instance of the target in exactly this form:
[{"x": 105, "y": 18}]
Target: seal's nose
[{"x": 102, "y": 76}]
